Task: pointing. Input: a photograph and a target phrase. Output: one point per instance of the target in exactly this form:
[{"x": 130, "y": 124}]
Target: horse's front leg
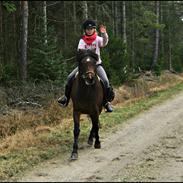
[
  {"x": 91, "y": 136},
  {"x": 76, "y": 117},
  {"x": 95, "y": 122}
]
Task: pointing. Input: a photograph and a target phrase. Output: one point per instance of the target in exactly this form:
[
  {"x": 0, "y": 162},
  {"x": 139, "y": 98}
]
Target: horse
[{"x": 87, "y": 97}]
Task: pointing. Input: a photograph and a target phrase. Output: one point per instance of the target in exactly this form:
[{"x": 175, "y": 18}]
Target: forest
[{"x": 38, "y": 39}]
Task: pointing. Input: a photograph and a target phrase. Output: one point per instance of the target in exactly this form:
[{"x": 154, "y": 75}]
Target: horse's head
[{"x": 87, "y": 65}]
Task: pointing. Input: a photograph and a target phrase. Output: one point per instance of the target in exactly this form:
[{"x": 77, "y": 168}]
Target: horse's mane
[{"x": 83, "y": 53}]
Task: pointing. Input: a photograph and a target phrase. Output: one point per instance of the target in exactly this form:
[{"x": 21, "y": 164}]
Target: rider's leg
[
  {"x": 64, "y": 100},
  {"x": 108, "y": 89}
]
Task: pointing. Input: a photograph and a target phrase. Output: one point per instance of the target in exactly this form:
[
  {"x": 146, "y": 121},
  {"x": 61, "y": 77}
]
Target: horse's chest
[{"x": 86, "y": 100}]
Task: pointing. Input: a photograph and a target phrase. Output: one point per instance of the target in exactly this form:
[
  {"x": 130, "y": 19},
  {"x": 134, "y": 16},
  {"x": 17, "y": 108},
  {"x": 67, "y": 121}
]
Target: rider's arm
[
  {"x": 105, "y": 39},
  {"x": 104, "y": 35}
]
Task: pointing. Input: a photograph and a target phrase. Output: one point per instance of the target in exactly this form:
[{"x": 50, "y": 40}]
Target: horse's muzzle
[{"x": 89, "y": 78}]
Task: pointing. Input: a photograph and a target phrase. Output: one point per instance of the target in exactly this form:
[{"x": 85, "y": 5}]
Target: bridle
[{"x": 89, "y": 75}]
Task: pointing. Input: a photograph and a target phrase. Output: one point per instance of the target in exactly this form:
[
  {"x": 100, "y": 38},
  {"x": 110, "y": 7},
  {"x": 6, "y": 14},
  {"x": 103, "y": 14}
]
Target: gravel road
[{"x": 148, "y": 148}]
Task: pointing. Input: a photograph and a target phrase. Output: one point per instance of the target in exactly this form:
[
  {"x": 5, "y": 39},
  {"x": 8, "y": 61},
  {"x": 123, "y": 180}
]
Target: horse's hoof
[
  {"x": 97, "y": 146},
  {"x": 74, "y": 156},
  {"x": 90, "y": 142}
]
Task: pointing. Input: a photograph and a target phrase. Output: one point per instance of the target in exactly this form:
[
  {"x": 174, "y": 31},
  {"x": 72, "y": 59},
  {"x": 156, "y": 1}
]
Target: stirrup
[
  {"x": 63, "y": 101},
  {"x": 108, "y": 107}
]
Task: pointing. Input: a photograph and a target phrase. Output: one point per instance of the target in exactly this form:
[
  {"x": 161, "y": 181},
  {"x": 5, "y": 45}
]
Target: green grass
[{"x": 58, "y": 142}]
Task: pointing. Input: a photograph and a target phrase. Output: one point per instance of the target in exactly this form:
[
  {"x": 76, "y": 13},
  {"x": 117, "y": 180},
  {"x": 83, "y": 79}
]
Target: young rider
[{"x": 90, "y": 40}]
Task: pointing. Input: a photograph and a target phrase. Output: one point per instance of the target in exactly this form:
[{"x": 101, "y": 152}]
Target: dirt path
[{"x": 148, "y": 147}]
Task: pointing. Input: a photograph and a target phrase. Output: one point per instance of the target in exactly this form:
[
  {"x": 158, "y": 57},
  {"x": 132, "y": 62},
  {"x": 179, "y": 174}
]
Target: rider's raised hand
[{"x": 102, "y": 28}]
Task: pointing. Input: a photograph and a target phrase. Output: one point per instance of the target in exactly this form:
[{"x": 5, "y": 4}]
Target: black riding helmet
[{"x": 89, "y": 24}]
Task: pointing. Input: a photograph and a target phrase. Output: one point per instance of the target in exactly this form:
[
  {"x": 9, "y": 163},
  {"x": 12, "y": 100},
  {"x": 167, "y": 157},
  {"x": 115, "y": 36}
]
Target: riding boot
[
  {"x": 107, "y": 106},
  {"x": 108, "y": 97},
  {"x": 64, "y": 100},
  {"x": 110, "y": 93}
]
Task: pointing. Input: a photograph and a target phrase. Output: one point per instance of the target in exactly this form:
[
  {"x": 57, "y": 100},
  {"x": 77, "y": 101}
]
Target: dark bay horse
[{"x": 87, "y": 97}]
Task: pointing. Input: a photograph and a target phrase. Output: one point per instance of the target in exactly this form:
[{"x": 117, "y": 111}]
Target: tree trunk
[
  {"x": 162, "y": 32},
  {"x": 169, "y": 50},
  {"x": 74, "y": 17},
  {"x": 65, "y": 24},
  {"x": 113, "y": 19},
  {"x": 124, "y": 23},
  {"x": 45, "y": 21},
  {"x": 1, "y": 19},
  {"x": 132, "y": 38},
  {"x": 96, "y": 11},
  {"x": 24, "y": 37},
  {"x": 15, "y": 53},
  {"x": 1, "y": 33},
  {"x": 116, "y": 17},
  {"x": 85, "y": 10},
  {"x": 156, "y": 48},
  {"x": 169, "y": 39}
]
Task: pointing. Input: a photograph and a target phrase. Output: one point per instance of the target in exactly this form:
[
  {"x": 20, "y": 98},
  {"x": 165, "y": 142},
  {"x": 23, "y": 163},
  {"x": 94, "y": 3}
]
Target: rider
[{"x": 90, "y": 40}]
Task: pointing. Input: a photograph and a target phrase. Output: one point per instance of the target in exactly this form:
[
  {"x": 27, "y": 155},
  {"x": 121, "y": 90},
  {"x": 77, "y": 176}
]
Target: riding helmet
[{"x": 89, "y": 24}]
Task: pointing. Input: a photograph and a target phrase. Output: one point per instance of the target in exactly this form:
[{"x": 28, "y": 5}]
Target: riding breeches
[
  {"x": 71, "y": 75},
  {"x": 102, "y": 74}
]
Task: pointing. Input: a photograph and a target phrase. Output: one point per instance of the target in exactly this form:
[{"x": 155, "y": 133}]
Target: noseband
[{"x": 89, "y": 76}]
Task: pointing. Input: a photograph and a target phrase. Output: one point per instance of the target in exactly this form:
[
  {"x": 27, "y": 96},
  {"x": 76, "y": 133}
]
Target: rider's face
[{"x": 90, "y": 31}]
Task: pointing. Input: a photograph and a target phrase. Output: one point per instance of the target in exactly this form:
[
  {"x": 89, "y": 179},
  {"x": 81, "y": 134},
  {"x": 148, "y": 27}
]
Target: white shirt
[{"x": 96, "y": 45}]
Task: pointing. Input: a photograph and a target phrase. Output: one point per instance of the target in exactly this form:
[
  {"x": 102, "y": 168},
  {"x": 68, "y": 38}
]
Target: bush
[
  {"x": 45, "y": 60},
  {"x": 8, "y": 73}
]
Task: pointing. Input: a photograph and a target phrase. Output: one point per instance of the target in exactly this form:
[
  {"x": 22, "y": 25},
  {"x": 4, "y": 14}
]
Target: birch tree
[
  {"x": 85, "y": 9},
  {"x": 45, "y": 20},
  {"x": 124, "y": 23},
  {"x": 23, "y": 60},
  {"x": 156, "y": 48}
]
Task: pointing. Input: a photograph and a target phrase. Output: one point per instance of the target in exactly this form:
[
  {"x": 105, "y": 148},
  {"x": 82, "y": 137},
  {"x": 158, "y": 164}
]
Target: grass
[{"x": 58, "y": 141}]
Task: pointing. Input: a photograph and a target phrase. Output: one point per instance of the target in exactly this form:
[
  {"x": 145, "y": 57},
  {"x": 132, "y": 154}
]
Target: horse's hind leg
[
  {"x": 95, "y": 123},
  {"x": 76, "y": 117}
]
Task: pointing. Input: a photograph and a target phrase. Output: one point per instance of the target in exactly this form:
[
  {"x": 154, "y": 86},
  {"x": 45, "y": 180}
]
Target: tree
[
  {"x": 124, "y": 23},
  {"x": 1, "y": 32},
  {"x": 85, "y": 9},
  {"x": 23, "y": 60},
  {"x": 45, "y": 20},
  {"x": 156, "y": 47}
]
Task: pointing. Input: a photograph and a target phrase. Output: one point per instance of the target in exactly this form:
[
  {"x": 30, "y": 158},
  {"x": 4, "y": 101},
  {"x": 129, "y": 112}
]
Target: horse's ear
[
  {"x": 80, "y": 50},
  {"x": 78, "y": 54},
  {"x": 81, "y": 53},
  {"x": 94, "y": 55}
]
